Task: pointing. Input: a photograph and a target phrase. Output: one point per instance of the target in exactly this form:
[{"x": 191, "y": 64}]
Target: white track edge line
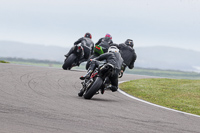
[{"x": 130, "y": 96}]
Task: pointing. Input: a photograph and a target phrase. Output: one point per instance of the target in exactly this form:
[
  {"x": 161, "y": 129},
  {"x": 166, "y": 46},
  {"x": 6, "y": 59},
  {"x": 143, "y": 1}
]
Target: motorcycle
[
  {"x": 99, "y": 80},
  {"x": 98, "y": 50},
  {"x": 74, "y": 58}
]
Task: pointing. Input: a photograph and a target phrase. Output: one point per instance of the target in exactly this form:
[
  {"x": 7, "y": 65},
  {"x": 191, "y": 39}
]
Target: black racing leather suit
[
  {"x": 128, "y": 54},
  {"x": 105, "y": 42},
  {"x": 87, "y": 45},
  {"x": 113, "y": 58}
]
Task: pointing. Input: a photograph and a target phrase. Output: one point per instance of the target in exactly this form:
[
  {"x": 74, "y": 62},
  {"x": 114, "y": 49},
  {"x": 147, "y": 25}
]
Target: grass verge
[
  {"x": 38, "y": 64},
  {"x": 1, "y": 61},
  {"x": 179, "y": 94}
]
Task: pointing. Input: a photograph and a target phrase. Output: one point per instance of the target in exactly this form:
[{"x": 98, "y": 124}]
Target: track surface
[{"x": 44, "y": 100}]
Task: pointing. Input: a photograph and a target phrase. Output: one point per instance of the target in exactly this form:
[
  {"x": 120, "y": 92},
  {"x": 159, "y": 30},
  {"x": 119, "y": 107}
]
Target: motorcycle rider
[
  {"x": 128, "y": 53},
  {"x": 107, "y": 38},
  {"x": 104, "y": 42},
  {"x": 113, "y": 57},
  {"x": 87, "y": 44}
]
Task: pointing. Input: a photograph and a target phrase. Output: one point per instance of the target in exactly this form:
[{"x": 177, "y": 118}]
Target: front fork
[{"x": 85, "y": 85}]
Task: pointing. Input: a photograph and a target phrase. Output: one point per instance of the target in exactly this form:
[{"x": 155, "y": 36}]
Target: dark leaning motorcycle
[
  {"x": 98, "y": 81},
  {"x": 74, "y": 58}
]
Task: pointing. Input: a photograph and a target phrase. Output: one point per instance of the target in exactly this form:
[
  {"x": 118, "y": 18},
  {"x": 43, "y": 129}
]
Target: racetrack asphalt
[{"x": 44, "y": 100}]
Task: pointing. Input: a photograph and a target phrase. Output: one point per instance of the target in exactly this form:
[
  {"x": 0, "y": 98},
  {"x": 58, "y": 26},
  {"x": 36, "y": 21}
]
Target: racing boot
[
  {"x": 87, "y": 76},
  {"x": 69, "y": 53},
  {"x": 113, "y": 88}
]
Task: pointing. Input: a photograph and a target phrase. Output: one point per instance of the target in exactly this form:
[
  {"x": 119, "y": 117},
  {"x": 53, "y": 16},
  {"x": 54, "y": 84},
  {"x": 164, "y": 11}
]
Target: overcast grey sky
[{"x": 173, "y": 23}]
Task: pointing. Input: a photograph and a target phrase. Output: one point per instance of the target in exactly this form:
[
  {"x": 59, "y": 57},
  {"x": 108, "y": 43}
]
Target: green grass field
[
  {"x": 38, "y": 64},
  {"x": 179, "y": 94},
  {"x": 1, "y": 61}
]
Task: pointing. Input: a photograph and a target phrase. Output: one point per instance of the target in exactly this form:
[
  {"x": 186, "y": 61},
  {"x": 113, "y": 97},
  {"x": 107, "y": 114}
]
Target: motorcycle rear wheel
[
  {"x": 94, "y": 88},
  {"x": 69, "y": 61}
]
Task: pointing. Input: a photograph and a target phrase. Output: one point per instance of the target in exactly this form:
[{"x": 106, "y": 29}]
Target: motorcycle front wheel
[
  {"x": 94, "y": 88},
  {"x": 69, "y": 61}
]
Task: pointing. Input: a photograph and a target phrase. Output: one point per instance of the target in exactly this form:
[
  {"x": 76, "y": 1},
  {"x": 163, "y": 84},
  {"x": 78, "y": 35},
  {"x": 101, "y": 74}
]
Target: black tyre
[
  {"x": 94, "y": 88},
  {"x": 80, "y": 94},
  {"x": 68, "y": 62}
]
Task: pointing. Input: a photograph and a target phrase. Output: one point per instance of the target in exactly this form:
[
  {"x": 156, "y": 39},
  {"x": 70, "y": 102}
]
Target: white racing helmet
[{"x": 113, "y": 49}]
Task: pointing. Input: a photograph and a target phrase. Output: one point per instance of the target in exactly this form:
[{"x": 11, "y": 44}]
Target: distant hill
[
  {"x": 168, "y": 58},
  {"x": 147, "y": 57},
  {"x": 32, "y": 51}
]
